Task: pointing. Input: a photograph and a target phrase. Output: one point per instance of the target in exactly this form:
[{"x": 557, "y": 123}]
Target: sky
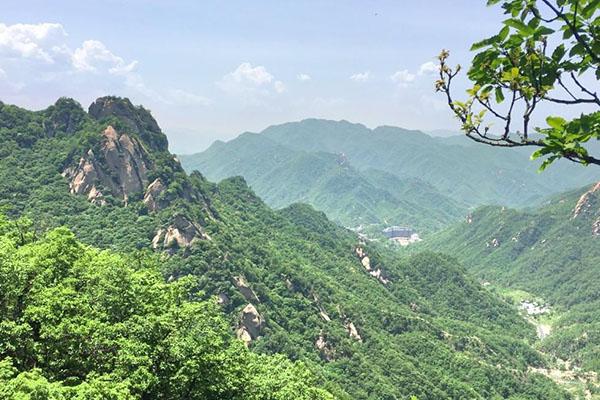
[{"x": 213, "y": 69}]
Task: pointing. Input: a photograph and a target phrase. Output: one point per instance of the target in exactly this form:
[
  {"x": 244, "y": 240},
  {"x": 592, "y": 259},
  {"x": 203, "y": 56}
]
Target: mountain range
[
  {"x": 384, "y": 176},
  {"x": 123, "y": 274}
]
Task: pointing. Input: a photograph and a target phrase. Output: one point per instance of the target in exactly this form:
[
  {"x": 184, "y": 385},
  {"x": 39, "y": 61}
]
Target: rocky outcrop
[
  {"x": 181, "y": 233},
  {"x": 222, "y": 299},
  {"x": 250, "y": 325},
  {"x": 157, "y": 197},
  {"x": 119, "y": 168},
  {"x": 352, "y": 331},
  {"x": 584, "y": 204},
  {"x": 365, "y": 261},
  {"x": 137, "y": 119},
  {"x": 326, "y": 350},
  {"x": 322, "y": 311},
  {"x": 152, "y": 198},
  {"x": 242, "y": 285},
  {"x": 588, "y": 209},
  {"x": 494, "y": 243}
]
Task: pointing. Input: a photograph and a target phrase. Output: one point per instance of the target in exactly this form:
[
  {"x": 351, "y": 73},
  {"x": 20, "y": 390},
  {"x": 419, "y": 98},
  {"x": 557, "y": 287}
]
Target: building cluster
[{"x": 401, "y": 235}]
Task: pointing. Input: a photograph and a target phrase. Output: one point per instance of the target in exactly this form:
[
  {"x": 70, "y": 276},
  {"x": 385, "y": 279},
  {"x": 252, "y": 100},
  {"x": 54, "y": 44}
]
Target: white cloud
[
  {"x": 246, "y": 73},
  {"x": 429, "y": 68},
  {"x": 251, "y": 83},
  {"x": 179, "y": 96},
  {"x": 41, "y": 54},
  {"x": 403, "y": 77},
  {"x": 93, "y": 56},
  {"x": 361, "y": 76},
  {"x": 279, "y": 87},
  {"x": 304, "y": 77},
  {"x": 33, "y": 41},
  {"x": 2, "y": 74}
]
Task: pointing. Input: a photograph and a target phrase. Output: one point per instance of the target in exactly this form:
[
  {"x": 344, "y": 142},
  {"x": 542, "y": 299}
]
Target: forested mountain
[
  {"x": 327, "y": 181},
  {"x": 430, "y": 181},
  {"x": 551, "y": 252},
  {"x": 357, "y": 322}
]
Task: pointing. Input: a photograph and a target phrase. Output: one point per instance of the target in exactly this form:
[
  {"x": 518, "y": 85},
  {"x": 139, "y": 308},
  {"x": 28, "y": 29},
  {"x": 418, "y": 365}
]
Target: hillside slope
[
  {"x": 469, "y": 174},
  {"x": 367, "y": 324},
  {"x": 552, "y": 252},
  {"x": 327, "y": 181}
]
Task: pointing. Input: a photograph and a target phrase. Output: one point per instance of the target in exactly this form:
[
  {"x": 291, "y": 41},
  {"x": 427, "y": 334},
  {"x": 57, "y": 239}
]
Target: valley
[
  {"x": 309, "y": 200},
  {"x": 288, "y": 281}
]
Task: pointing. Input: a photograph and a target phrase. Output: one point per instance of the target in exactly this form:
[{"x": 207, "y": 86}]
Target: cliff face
[
  {"x": 120, "y": 167},
  {"x": 137, "y": 119},
  {"x": 588, "y": 207}
]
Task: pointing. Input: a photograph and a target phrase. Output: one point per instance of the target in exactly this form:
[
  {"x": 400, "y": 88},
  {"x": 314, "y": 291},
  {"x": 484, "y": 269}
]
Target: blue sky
[{"x": 213, "y": 69}]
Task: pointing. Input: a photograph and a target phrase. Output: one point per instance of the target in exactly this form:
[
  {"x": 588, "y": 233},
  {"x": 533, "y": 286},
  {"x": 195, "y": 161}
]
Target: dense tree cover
[
  {"x": 551, "y": 252},
  {"x": 388, "y": 174},
  {"x": 329, "y": 182},
  {"x": 77, "y": 322},
  {"x": 430, "y": 331},
  {"x": 548, "y": 51}
]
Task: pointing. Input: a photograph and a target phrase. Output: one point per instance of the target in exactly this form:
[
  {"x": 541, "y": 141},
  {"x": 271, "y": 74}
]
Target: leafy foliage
[
  {"x": 76, "y": 322},
  {"x": 546, "y": 52}
]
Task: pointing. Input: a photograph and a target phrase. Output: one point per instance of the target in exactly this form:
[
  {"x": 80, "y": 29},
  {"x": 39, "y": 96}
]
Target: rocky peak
[
  {"x": 120, "y": 168},
  {"x": 137, "y": 119}
]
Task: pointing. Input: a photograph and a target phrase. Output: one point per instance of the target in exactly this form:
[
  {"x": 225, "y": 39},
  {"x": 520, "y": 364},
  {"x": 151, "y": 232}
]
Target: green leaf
[
  {"x": 556, "y": 122},
  {"x": 499, "y": 95},
  {"x": 519, "y": 26}
]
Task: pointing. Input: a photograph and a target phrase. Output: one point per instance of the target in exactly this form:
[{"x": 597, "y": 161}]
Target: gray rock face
[
  {"x": 242, "y": 285},
  {"x": 180, "y": 234},
  {"x": 152, "y": 196},
  {"x": 120, "y": 168},
  {"x": 251, "y": 324},
  {"x": 138, "y": 119}
]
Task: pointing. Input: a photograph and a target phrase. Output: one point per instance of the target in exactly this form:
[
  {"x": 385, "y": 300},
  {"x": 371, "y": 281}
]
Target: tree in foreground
[
  {"x": 548, "y": 51},
  {"x": 80, "y": 323}
]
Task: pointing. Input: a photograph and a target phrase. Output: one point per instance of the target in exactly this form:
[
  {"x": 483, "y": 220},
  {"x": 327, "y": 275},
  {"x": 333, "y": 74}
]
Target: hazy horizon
[{"x": 214, "y": 70}]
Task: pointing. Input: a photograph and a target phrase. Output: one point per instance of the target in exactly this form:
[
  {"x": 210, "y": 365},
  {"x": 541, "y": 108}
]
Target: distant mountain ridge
[
  {"x": 389, "y": 175},
  {"x": 328, "y": 181}
]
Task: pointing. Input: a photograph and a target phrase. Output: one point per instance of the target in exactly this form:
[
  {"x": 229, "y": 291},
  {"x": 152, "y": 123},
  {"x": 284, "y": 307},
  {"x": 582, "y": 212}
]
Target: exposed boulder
[
  {"x": 251, "y": 324},
  {"x": 326, "y": 351},
  {"x": 596, "y": 228},
  {"x": 120, "y": 167},
  {"x": 152, "y": 195},
  {"x": 352, "y": 331},
  {"x": 241, "y": 284},
  {"x": 180, "y": 234},
  {"x": 138, "y": 119},
  {"x": 222, "y": 299},
  {"x": 493, "y": 243}
]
